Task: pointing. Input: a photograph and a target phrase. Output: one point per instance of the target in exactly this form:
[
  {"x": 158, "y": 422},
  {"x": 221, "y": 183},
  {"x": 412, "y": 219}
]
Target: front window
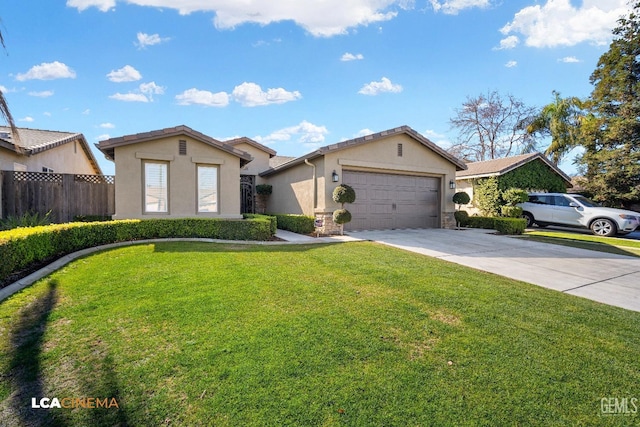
[
  {"x": 586, "y": 202},
  {"x": 156, "y": 192},
  {"x": 207, "y": 189}
]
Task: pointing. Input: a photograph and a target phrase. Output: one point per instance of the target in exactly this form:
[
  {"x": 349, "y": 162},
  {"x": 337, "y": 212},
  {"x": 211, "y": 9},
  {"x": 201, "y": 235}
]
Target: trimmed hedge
[
  {"x": 510, "y": 225},
  {"x": 21, "y": 247},
  {"x": 272, "y": 219},
  {"x": 300, "y": 224},
  {"x": 500, "y": 224}
]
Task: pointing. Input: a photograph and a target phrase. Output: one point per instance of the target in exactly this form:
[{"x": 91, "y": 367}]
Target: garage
[{"x": 387, "y": 201}]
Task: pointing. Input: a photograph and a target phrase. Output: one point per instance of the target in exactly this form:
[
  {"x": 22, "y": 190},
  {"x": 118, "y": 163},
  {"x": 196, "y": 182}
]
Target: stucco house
[
  {"x": 46, "y": 151},
  {"x": 402, "y": 180},
  {"x": 531, "y": 171},
  {"x": 175, "y": 172}
]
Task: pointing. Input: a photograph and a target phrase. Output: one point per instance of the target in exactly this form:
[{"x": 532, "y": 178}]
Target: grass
[
  {"x": 354, "y": 334},
  {"x": 614, "y": 245}
]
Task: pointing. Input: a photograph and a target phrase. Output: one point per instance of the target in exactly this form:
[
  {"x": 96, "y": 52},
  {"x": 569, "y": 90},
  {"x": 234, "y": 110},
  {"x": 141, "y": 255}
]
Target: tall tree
[
  {"x": 4, "y": 107},
  {"x": 490, "y": 126},
  {"x": 611, "y": 130},
  {"x": 561, "y": 121}
]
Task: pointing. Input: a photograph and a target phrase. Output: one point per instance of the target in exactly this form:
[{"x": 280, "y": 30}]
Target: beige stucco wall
[
  {"x": 260, "y": 162},
  {"x": 182, "y": 179},
  {"x": 466, "y": 185},
  {"x": 67, "y": 158},
  {"x": 293, "y": 190},
  {"x": 382, "y": 156}
]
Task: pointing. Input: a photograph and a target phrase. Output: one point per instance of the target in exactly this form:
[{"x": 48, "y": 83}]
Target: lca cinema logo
[
  {"x": 619, "y": 406},
  {"x": 74, "y": 402}
]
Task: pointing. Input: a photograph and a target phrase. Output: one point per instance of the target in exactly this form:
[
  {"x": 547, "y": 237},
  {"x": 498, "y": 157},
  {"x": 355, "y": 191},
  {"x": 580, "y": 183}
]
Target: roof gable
[
  {"x": 108, "y": 146},
  {"x": 251, "y": 142},
  {"x": 365, "y": 140},
  {"x": 497, "y": 167},
  {"x": 34, "y": 141}
]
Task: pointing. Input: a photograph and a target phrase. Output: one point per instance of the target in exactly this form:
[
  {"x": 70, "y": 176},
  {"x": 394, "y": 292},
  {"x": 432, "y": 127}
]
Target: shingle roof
[
  {"x": 501, "y": 166},
  {"x": 108, "y": 146},
  {"x": 364, "y": 140},
  {"x": 34, "y": 141}
]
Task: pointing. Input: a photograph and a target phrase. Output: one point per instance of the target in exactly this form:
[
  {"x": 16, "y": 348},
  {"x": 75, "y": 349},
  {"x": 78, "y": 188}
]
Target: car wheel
[
  {"x": 603, "y": 227},
  {"x": 529, "y": 219}
]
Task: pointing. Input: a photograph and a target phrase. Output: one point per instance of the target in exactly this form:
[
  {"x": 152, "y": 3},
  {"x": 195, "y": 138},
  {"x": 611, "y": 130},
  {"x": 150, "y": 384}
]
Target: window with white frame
[
  {"x": 156, "y": 191},
  {"x": 207, "y": 188}
]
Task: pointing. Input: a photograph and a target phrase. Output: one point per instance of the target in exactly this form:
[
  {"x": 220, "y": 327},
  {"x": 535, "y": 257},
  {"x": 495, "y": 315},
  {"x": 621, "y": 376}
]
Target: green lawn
[
  {"x": 614, "y": 245},
  {"x": 354, "y": 334}
]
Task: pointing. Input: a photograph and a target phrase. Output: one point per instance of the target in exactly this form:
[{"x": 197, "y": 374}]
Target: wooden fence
[{"x": 65, "y": 195}]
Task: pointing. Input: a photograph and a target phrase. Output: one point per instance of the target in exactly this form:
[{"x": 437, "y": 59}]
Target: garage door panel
[{"x": 386, "y": 201}]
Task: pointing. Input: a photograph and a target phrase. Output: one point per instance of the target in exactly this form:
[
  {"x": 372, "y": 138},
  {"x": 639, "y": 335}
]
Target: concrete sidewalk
[{"x": 607, "y": 278}]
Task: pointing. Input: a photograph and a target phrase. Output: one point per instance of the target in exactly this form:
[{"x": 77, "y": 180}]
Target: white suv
[{"x": 573, "y": 210}]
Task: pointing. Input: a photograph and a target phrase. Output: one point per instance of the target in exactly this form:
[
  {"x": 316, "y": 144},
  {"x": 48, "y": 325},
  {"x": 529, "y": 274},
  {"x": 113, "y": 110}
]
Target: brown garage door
[{"x": 385, "y": 201}]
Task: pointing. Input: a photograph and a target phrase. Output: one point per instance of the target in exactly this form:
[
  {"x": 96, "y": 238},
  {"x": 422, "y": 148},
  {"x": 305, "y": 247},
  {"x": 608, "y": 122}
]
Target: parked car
[{"x": 573, "y": 210}]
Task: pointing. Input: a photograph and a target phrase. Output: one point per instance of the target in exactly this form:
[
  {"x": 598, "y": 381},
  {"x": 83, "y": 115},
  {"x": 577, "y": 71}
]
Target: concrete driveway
[{"x": 607, "y": 278}]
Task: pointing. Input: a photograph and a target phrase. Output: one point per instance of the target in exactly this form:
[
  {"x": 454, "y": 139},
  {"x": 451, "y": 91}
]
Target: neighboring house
[
  {"x": 401, "y": 180},
  {"x": 46, "y": 151},
  {"x": 175, "y": 172},
  {"x": 532, "y": 172}
]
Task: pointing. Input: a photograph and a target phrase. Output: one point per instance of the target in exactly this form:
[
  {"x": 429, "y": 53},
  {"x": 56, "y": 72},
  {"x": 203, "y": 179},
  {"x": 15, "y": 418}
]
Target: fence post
[
  {"x": 67, "y": 197},
  {"x": 9, "y": 194}
]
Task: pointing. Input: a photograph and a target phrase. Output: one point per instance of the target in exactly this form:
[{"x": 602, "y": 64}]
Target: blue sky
[{"x": 293, "y": 75}]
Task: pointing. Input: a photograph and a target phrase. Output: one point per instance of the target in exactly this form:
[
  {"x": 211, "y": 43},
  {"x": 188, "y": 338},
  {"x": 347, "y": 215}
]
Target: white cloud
[
  {"x": 252, "y": 95},
  {"x": 351, "y": 57},
  {"x": 124, "y": 74},
  {"x": 569, "y": 60},
  {"x": 194, "y": 96},
  {"x": 511, "y": 64},
  {"x": 559, "y": 23},
  {"x": 453, "y": 7},
  {"x": 129, "y": 97},
  {"x": 145, "y": 40},
  {"x": 86, "y": 112},
  {"x": 27, "y": 119},
  {"x": 42, "y": 94},
  {"x": 144, "y": 93},
  {"x": 384, "y": 85},
  {"x": 103, "y": 137},
  {"x": 322, "y": 18},
  {"x": 312, "y": 136},
  {"x": 47, "y": 71},
  {"x": 364, "y": 132},
  {"x": 47, "y": 114},
  {"x": 102, "y": 5},
  {"x": 107, "y": 125},
  {"x": 508, "y": 43}
]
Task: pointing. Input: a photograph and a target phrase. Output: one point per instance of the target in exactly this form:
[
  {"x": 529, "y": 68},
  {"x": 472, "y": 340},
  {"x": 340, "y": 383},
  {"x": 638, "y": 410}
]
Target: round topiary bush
[
  {"x": 461, "y": 198},
  {"x": 462, "y": 218},
  {"x": 344, "y": 193},
  {"x": 341, "y": 216}
]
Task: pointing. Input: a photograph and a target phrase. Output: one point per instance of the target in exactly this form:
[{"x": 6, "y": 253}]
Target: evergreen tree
[{"x": 611, "y": 129}]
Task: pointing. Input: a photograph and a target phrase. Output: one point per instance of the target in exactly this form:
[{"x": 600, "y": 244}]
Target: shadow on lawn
[
  {"x": 186, "y": 246},
  {"x": 27, "y": 379}
]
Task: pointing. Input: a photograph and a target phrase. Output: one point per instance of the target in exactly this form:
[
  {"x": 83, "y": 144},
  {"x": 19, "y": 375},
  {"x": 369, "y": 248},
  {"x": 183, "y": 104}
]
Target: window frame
[
  {"x": 145, "y": 211},
  {"x": 216, "y": 175}
]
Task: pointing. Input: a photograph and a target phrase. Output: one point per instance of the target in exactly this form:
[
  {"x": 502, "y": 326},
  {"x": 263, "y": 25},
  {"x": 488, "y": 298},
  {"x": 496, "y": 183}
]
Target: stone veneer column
[{"x": 328, "y": 226}]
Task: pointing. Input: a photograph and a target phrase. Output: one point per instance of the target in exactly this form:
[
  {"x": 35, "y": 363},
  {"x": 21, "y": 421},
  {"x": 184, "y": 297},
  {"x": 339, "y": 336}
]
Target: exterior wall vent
[
  {"x": 182, "y": 148},
  {"x": 399, "y": 150}
]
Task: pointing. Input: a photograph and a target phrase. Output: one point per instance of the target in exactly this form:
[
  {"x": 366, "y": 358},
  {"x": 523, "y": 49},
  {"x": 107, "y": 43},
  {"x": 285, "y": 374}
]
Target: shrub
[
  {"x": 272, "y": 219},
  {"x": 511, "y": 211},
  {"x": 461, "y": 198},
  {"x": 462, "y": 218},
  {"x": 344, "y": 193},
  {"x": 28, "y": 219},
  {"x": 510, "y": 225},
  {"x": 487, "y": 196},
  {"x": 22, "y": 247},
  {"x": 341, "y": 216},
  {"x": 481, "y": 222},
  {"x": 513, "y": 196},
  {"x": 264, "y": 189},
  {"x": 300, "y": 224},
  {"x": 91, "y": 218}
]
